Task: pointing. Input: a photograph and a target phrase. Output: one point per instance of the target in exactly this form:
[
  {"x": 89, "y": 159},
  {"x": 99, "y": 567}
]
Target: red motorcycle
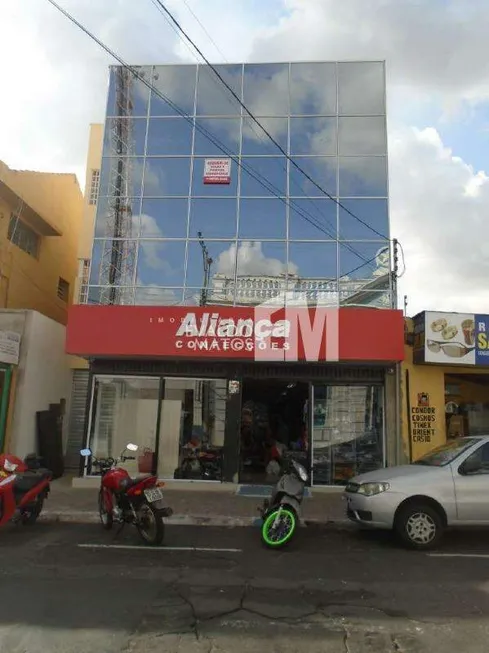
[
  {"x": 22, "y": 490},
  {"x": 127, "y": 500}
]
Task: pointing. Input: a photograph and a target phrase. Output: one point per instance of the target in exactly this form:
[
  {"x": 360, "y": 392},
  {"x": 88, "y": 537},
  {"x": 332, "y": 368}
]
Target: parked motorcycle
[
  {"x": 22, "y": 490},
  {"x": 127, "y": 500},
  {"x": 281, "y": 513}
]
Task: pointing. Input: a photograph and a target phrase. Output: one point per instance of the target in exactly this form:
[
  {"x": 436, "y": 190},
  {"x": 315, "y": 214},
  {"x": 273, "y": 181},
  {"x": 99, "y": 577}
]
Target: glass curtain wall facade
[{"x": 164, "y": 237}]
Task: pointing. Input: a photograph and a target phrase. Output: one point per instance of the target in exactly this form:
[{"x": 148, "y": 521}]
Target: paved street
[{"x": 67, "y": 588}]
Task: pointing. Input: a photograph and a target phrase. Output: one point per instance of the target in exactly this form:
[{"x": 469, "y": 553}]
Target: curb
[{"x": 87, "y": 517}]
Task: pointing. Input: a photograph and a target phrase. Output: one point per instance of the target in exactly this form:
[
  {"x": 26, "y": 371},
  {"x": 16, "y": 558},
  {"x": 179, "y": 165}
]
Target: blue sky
[{"x": 438, "y": 101}]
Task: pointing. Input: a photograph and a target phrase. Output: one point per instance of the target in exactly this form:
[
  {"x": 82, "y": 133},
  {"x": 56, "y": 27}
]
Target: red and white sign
[
  {"x": 236, "y": 333},
  {"x": 217, "y": 171}
]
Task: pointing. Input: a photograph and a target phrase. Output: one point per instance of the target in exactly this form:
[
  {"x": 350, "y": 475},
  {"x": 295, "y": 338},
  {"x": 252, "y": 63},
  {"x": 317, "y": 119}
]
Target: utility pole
[
  {"x": 207, "y": 261},
  {"x": 405, "y": 305}
]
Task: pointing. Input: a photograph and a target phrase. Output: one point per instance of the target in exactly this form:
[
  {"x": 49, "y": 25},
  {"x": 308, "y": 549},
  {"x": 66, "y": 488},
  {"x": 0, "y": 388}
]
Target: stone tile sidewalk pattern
[{"x": 199, "y": 506}]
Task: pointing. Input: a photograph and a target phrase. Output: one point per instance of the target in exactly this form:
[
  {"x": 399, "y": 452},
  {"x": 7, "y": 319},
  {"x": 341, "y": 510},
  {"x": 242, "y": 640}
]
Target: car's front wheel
[{"x": 419, "y": 526}]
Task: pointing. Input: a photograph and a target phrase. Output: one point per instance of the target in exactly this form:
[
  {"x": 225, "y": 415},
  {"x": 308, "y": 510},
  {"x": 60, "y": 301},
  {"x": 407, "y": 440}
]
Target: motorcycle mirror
[
  {"x": 86, "y": 452},
  {"x": 132, "y": 447}
]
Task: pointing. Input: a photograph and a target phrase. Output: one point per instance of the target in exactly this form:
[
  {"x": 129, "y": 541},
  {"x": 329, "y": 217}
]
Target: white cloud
[
  {"x": 439, "y": 207},
  {"x": 251, "y": 260}
]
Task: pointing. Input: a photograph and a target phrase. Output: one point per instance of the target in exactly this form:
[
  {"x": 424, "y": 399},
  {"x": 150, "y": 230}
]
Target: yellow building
[
  {"x": 445, "y": 380},
  {"x": 80, "y": 374},
  {"x": 40, "y": 223}
]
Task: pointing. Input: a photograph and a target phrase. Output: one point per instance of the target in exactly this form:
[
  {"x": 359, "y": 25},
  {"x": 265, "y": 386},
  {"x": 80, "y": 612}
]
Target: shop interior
[
  {"x": 274, "y": 417},
  {"x": 466, "y": 405}
]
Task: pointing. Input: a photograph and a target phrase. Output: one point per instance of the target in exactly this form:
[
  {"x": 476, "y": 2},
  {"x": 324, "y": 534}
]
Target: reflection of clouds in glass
[
  {"x": 177, "y": 83},
  {"x": 363, "y": 176},
  {"x": 276, "y": 127},
  {"x": 361, "y": 88},
  {"x": 313, "y": 88},
  {"x": 152, "y": 295},
  {"x": 362, "y": 136},
  {"x": 251, "y": 260},
  {"x": 266, "y": 89},
  {"x": 313, "y": 136},
  {"x": 213, "y": 98}
]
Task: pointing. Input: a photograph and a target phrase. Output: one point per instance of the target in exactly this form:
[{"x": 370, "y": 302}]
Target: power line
[
  {"x": 263, "y": 181},
  {"x": 204, "y": 30},
  {"x": 255, "y": 120}
]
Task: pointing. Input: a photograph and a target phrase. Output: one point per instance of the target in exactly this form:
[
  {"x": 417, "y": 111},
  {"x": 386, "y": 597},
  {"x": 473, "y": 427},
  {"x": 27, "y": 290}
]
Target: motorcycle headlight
[
  {"x": 370, "y": 489},
  {"x": 9, "y": 467},
  {"x": 301, "y": 471}
]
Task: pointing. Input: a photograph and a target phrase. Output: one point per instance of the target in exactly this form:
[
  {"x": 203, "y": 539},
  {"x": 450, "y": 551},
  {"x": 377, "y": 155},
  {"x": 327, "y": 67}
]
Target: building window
[
  {"x": 83, "y": 276},
  {"x": 94, "y": 186},
  {"x": 20, "y": 234},
  {"x": 63, "y": 290}
]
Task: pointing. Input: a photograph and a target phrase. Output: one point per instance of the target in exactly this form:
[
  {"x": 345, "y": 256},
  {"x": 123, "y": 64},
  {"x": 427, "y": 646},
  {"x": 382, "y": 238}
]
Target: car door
[{"x": 471, "y": 479}]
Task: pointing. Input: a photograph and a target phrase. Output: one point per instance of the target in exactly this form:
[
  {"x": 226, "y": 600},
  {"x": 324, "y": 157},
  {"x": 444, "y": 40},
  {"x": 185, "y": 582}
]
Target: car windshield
[{"x": 445, "y": 454}]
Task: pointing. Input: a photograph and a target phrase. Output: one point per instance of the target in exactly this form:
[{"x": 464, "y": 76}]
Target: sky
[{"x": 55, "y": 83}]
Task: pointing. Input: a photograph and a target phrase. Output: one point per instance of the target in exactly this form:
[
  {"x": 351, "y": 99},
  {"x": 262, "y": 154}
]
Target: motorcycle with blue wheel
[{"x": 281, "y": 512}]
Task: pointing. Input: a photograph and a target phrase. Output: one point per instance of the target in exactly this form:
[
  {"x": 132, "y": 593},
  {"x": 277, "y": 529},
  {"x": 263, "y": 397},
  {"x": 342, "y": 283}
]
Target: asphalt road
[{"x": 74, "y": 588}]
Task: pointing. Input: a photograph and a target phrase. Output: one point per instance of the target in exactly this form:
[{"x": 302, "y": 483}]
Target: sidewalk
[{"x": 196, "y": 507}]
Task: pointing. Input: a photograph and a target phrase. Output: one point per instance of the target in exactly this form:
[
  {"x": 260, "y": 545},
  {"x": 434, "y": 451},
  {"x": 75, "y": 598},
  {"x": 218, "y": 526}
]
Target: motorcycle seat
[
  {"x": 25, "y": 481},
  {"x": 128, "y": 483}
]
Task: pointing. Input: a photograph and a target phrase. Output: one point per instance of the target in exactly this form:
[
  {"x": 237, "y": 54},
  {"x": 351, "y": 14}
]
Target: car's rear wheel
[{"x": 419, "y": 526}]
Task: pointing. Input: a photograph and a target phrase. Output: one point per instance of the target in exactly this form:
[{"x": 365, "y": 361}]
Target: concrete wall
[
  {"x": 42, "y": 377},
  {"x": 27, "y": 282}
]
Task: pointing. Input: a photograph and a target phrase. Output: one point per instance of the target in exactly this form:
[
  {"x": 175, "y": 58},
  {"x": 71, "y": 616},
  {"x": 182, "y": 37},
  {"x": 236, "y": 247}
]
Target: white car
[{"x": 448, "y": 487}]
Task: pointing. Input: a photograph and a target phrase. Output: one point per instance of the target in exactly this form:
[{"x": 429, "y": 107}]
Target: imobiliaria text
[{"x": 262, "y": 336}]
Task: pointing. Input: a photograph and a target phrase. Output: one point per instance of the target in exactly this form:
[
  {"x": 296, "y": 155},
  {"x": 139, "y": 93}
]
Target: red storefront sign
[{"x": 236, "y": 333}]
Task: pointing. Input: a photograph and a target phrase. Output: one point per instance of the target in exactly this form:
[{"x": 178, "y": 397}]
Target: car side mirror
[{"x": 470, "y": 466}]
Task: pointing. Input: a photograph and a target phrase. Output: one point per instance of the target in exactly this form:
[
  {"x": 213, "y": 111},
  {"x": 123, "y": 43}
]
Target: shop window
[
  {"x": 348, "y": 432},
  {"x": 192, "y": 424},
  {"x": 125, "y": 409}
]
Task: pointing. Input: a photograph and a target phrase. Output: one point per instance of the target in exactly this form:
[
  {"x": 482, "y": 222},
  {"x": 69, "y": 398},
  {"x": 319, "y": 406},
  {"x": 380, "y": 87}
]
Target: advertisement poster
[
  {"x": 217, "y": 171},
  {"x": 9, "y": 347},
  {"x": 450, "y": 338}
]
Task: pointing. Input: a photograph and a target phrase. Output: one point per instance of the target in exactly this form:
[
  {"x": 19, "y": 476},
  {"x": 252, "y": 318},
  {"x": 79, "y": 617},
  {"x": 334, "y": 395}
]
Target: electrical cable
[
  {"x": 259, "y": 178},
  {"x": 256, "y": 121}
]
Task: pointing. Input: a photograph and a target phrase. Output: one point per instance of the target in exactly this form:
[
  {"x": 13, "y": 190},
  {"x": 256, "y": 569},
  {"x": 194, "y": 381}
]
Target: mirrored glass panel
[
  {"x": 115, "y": 294},
  {"x": 256, "y": 141},
  {"x": 313, "y": 89},
  {"x": 214, "y": 218},
  {"x": 322, "y": 291},
  {"x": 310, "y": 136},
  {"x": 362, "y": 136},
  {"x": 263, "y": 218},
  {"x": 314, "y": 260},
  {"x": 374, "y": 213},
  {"x": 176, "y": 84},
  {"x": 266, "y": 89},
  {"x": 93, "y": 295},
  {"x": 128, "y": 95},
  {"x": 348, "y": 432},
  {"x": 161, "y": 263},
  {"x": 164, "y": 218},
  {"x": 361, "y": 88},
  {"x": 97, "y": 249},
  {"x": 256, "y": 258},
  {"x": 192, "y": 445},
  {"x": 125, "y": 135},
  {"x": 111, "y": 262},
  {"x": 321, "y": 169},
  {"x": 252, "y": 290},
  {"x": 213, "y": 98},
  {"x": 121, "y": 176},
  {"x": 199, "y": 189},
  {"x": 105, "y": 220},
  {"x": 156, "y": 296},
  {"x": 263, "y": 177},
  {"x": 200, "y": 296},
  {"x": 312, "y": 219},
  {"x": 223, "y": 255},
  {"x": 363, "y": 176},
  {"x": 213, "y": 135},
  {"x": 169, "y": 136},
  {"x": 364, "y": 261},
  {"x": 166, "y": 176}
]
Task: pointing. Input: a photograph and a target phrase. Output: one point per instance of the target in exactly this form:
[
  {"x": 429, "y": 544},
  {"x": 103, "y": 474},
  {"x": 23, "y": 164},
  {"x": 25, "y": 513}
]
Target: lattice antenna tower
[{"x": 119, "y": 248}]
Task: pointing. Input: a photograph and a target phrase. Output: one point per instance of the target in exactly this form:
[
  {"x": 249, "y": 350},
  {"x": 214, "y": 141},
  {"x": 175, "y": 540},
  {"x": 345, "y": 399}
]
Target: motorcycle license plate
[{"x": 153, "y": 495}]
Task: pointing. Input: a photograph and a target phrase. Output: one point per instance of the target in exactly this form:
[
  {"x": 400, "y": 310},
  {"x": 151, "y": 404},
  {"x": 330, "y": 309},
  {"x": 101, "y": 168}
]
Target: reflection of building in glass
[{"x": 275, "y": 217}]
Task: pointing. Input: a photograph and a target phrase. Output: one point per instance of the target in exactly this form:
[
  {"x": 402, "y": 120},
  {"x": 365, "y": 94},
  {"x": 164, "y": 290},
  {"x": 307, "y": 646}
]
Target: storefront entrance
[{"x": 274, "y": 424}]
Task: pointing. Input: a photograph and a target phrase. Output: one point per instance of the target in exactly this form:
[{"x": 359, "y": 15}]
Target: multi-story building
[
  {"x": 202, "y": 206},
  {"x": 40, "y": 221}
]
